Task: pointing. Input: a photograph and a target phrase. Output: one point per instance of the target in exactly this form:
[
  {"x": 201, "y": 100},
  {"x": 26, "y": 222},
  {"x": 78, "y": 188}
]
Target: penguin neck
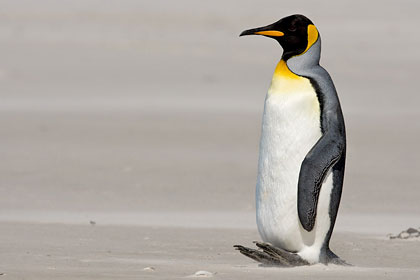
[
  {"x": 293, "y": 67},
  {"x": 282, "y": 71},
  {"x": 291, "y": 75},
  {"x": 299, "y": 64},
  {"x": 285, "y": 82}
]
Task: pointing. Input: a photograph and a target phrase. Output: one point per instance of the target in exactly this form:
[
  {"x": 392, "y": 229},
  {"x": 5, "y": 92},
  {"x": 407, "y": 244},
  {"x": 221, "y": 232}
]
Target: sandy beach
[{"x": 130, "y": 137}]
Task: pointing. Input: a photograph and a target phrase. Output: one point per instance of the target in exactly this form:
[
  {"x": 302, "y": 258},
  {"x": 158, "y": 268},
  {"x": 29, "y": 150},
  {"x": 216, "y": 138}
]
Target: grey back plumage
[{"x": 330, "y": 148}]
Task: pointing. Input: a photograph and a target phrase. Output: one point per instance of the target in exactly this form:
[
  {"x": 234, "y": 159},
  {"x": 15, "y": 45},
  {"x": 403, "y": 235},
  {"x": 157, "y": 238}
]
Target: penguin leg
[
  {"x": 334, "y": 259},
  {"x": 269, "y": 255}
]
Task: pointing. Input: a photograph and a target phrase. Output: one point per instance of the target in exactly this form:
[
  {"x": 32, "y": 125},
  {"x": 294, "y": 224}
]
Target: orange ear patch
[{"x": 312, "y": 36}]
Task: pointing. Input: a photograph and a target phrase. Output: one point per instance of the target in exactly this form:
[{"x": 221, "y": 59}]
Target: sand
[
  {"x": 61, "y": 251},
  {"x": 130, "y": 137}
]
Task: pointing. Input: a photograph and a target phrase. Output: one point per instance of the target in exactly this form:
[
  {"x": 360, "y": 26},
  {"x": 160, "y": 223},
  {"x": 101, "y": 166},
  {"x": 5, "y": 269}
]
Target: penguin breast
[{"x": 290, "y": 128}]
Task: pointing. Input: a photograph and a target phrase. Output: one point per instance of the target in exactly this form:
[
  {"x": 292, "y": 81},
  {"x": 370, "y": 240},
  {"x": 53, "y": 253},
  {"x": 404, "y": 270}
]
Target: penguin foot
[
  {"x": 269, "y": 255},
  {"x": 334, "y": 259}
]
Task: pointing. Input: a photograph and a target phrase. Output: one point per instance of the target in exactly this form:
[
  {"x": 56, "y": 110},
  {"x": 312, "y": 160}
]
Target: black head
[{"x": 291, "y": 32}]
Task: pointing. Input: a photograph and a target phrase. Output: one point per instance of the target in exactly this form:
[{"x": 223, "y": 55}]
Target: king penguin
[{"x": 302, "y": 152}]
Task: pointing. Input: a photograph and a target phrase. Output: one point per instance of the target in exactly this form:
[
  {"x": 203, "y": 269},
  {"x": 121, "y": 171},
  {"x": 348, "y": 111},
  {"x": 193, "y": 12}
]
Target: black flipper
[
  {"x": 330, "y": 147},
  {"x": 326, "y": 152}
]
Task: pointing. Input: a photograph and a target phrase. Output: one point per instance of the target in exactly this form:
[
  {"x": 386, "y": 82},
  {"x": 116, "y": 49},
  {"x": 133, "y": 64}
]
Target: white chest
[{"x": 290, "y": 128}]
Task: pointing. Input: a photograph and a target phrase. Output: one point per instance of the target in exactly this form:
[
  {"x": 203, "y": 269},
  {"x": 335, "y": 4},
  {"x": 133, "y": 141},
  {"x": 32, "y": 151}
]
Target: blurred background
[{"x": 145, "y": 111}]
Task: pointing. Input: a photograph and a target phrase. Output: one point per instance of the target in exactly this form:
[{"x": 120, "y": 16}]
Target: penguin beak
[{"x": 268, "y": 30}]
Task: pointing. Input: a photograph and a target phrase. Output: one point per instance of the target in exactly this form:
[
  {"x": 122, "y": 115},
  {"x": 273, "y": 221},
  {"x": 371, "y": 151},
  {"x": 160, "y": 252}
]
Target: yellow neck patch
[
  {"x": 283, "y": 71},
  {"x": 286, "y": 82}
]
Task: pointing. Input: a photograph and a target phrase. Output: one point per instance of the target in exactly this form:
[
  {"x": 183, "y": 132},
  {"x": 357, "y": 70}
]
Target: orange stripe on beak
[{"x": 272, "y": 33}]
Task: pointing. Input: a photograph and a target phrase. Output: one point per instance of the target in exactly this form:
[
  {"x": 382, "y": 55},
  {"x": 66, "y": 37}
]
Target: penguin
[{"x": 302, "y": 152}]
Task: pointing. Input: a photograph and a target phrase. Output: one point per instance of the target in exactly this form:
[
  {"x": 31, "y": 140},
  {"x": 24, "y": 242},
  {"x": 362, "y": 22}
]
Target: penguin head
[{"x": 295, "y": 33}]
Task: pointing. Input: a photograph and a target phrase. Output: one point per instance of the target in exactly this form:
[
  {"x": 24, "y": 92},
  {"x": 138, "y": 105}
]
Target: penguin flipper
[{"x": 319, "y": 160}]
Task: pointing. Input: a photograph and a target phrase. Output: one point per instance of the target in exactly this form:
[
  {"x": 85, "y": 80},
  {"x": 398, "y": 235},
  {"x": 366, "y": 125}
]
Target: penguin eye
[{"x": 292, "y": 28}]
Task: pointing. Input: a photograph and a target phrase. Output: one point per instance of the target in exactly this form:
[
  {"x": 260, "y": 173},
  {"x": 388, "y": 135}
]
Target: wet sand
[{"x": 144, "y": 117}]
